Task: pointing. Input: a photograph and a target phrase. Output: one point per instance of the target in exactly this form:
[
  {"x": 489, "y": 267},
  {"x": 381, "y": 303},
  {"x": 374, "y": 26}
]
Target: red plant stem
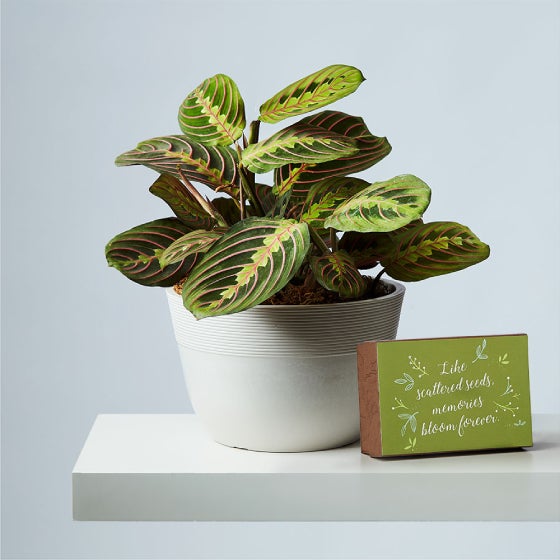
[
  {"x": 205, "y": 203},
  {"x": 254, "y": 132},
  {"x": 376, "y": 280},
  {"x": 241, "y": 204},
  {"x": 318, "y": 240},
  {"x": 334, "y": 239},
  {"x": 246, "y": 186}
]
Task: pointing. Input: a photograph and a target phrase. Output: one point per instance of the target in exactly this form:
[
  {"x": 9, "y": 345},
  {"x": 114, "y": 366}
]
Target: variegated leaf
[
  {"x": 198, "y": 241},
  {"x": 287, "y": 183},
  {"x": 266, "y": 197},
  {"x": 184, "y": 206},
  {"x": 312, "y": 92},
  {"x": 252, "y": 261},
  {"x": 371, "y": 149},
  {"x": 325, "y": 196},
  {"x": 135, "y": 253},
  {"x": 383, "y": 206},
  {"x": 365, "y": 248},
  {"x": 215, "y": 166},
  {"x": 362, "y": 247},
  {"x": 297, "y": 144},
  {"x": 430, "y": 250},
  {"x": 338, "y": 273},
  {"x": 214, "y": 112},
  {"x": 228, "y": 208}
]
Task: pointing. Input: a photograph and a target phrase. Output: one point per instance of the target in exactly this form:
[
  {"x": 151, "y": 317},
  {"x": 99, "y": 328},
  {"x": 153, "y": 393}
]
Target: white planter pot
[{"x": 281, "y": 378}]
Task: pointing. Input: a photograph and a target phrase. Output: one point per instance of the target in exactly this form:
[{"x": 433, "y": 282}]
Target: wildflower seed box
[{"x": 442, "y": 395}]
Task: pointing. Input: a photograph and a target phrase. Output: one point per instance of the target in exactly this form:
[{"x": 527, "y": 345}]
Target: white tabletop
[{"x": 164, "y": 467}]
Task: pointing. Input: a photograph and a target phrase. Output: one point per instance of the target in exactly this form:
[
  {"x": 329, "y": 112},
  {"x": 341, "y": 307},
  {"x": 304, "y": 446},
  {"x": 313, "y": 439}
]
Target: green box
[{"x": 442, "y": 395}]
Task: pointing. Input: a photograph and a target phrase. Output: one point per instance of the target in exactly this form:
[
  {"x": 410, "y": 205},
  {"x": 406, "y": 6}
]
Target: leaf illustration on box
[
  {"x": 480, "y": 355},
  {"x": 417, "y": 365},
  {"x": 503, "y": 360},
  {"x": 509, "y": 389},
  {"x": 400, "y": 404},
  {"x": 410, "y": 421},
  {"x": 508, "y": 393},
  {"x": 411, "y": 444},
  {"x": 406, "y": 380},
  {"x": 508, "y": 407}
]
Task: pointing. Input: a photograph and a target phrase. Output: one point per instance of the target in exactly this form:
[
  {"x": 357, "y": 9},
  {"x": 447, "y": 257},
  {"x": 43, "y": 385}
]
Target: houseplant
[{"x": 302, "y": 240}]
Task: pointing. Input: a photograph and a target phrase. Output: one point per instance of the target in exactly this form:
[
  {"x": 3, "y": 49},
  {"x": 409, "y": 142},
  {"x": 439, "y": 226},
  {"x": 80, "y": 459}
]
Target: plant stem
[
  {"x": 334, "y": 239},
  {"x": 376, "y": 281},
  {"x": 255, "y": 202},
  {"x": 310, "y": 282},
  {"x": 318, "y": 240},
  {"x": 254, "y": 132},
  {"x": 253, "y": 139},
  {"x": 205, "y": 203},
  {"x": 241, "y": 204},
  {"x": 246, "y": 186}
]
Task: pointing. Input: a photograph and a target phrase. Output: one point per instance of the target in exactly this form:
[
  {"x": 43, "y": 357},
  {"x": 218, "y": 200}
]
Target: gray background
[{"x": 467, "y": 93}]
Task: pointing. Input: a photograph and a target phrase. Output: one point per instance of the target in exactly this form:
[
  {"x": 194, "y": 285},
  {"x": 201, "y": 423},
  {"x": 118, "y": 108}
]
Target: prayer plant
[{"x": 315, "y": 225}]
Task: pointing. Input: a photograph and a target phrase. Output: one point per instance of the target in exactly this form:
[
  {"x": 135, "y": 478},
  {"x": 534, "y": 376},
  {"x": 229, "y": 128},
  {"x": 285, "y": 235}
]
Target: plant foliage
[{"x": 316, "y": 224}]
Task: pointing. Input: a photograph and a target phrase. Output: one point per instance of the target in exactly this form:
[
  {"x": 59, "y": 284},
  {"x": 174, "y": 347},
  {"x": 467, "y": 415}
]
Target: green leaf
[
  {"x": 431, "y": 250},
  {"x": 266, "y": 197},
  {"x": 198, "y": 241},
  {"x": 215, "y": 166},
  {"x": 362, "y": 247},
  {"x": 286, "y": 184},
  {"x": 312, "y": 92},
  {"x": 252, "y": 261},
  {"x": 337, "y": 272},
  {"x": 371, "y": 149},
  {"x": 186, "y": 208},
  {"x": 365, "y": 248},
  {"x": 296, "y": 144},
  {"x": 228, "y": 208},
  {"x": 383, "y": 206},
  {"x": 214, "y": 112},
  {"x": 136, "y": 251},
  {"x": 325, "y": 196}
]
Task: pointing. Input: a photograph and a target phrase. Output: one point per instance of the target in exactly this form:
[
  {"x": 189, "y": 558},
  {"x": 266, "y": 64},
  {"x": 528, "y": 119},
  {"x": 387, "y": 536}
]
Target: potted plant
[{"x": 274, "y": 271}]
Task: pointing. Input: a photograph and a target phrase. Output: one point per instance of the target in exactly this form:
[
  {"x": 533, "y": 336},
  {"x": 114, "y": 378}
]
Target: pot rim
[
  {"x": 399, "y": 289},
  {"x": 289, "y": 330}
]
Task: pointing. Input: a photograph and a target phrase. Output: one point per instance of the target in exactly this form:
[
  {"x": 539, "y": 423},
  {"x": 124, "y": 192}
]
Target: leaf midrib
[{"x": 208, "y": 106}]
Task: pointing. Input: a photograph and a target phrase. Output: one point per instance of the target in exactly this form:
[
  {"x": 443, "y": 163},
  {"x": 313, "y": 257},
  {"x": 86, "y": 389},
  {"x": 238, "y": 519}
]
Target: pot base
[{"x": 282, "y": 405}]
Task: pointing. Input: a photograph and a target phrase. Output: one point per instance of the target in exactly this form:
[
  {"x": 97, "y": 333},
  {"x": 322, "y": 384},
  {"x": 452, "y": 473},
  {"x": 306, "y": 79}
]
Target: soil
[{"x": 301, "y": 294}]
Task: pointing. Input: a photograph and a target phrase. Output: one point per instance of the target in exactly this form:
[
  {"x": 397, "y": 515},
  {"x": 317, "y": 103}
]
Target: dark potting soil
[{"x": 301, "y": 294}]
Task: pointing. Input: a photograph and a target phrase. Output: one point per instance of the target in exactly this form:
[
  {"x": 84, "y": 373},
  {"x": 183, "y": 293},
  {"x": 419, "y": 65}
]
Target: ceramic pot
[{"x": 281, "y": 378}]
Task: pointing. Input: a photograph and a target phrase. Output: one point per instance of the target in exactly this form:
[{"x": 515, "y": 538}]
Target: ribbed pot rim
[
  {"x": 399, "y": 289},
  {"x": 294, "y": 330}
]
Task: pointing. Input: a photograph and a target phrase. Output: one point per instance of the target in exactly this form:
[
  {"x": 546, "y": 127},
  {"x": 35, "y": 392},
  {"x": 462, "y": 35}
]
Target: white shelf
[{"x": 165, "y": 468}]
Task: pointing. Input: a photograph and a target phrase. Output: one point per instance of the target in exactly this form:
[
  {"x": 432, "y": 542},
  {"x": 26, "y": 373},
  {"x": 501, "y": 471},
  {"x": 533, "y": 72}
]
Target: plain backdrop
[{"x": 467, "y": 93}]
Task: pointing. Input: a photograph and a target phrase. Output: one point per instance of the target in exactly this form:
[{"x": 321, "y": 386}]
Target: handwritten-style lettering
[{"x": 450, "y": 368}]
